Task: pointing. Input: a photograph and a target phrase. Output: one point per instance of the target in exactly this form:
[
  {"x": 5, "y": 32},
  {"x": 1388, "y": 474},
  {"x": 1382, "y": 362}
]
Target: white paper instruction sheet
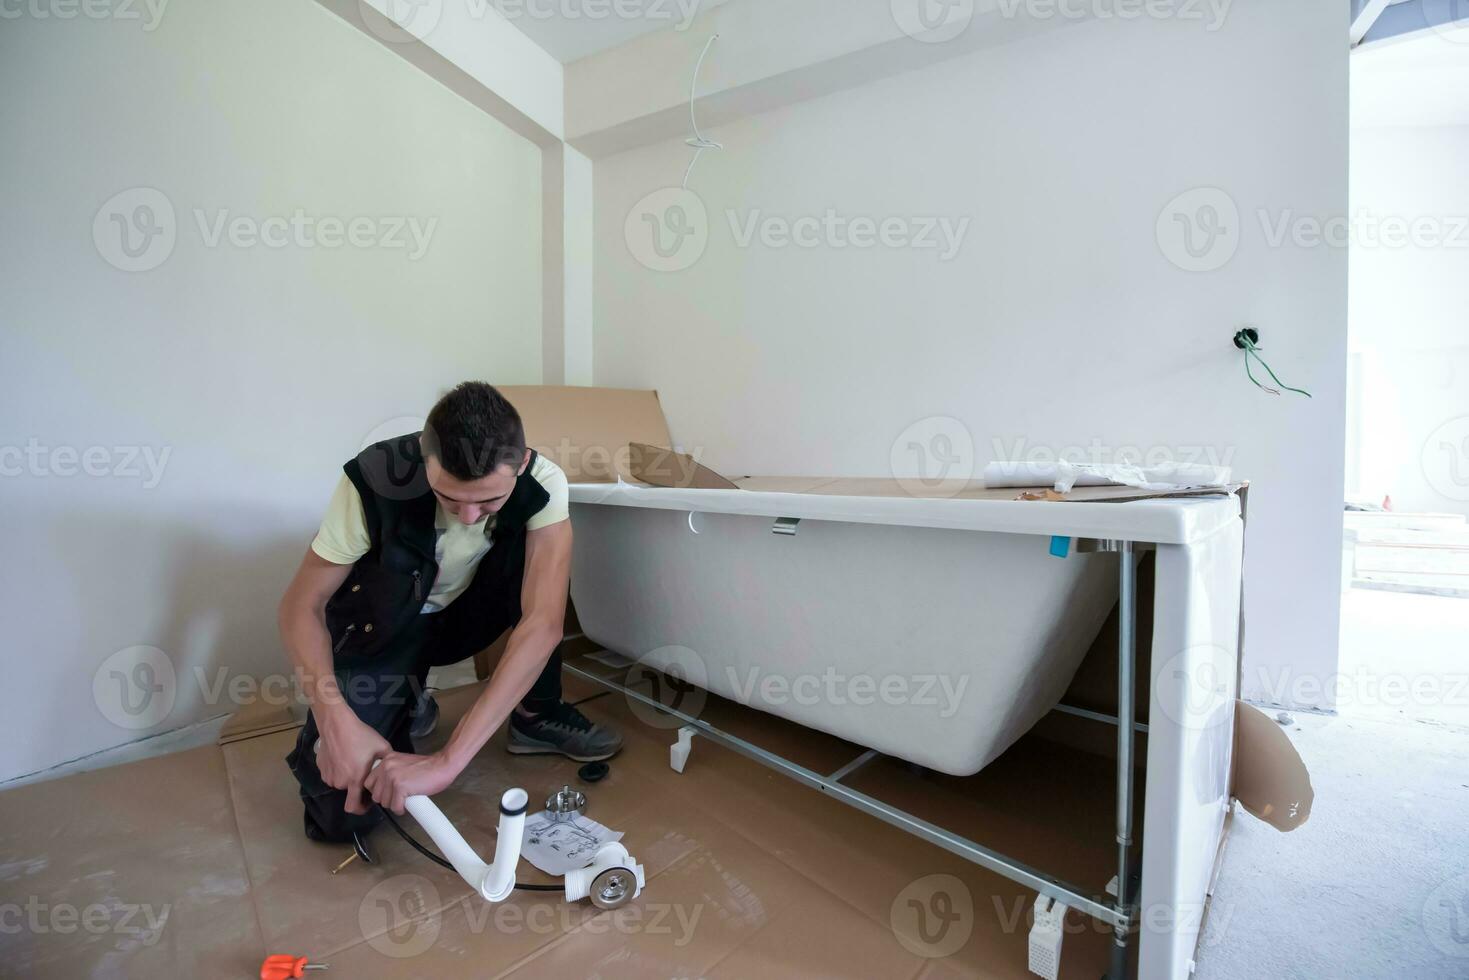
[{"x": 561, "y": 847}]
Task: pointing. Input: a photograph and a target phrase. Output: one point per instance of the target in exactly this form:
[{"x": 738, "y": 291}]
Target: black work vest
[{"x": 389, "y": 585}]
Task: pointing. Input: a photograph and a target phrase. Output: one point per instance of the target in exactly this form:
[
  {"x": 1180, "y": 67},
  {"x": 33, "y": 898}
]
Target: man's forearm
[
  {"x": 309, "y": 647},
  {"x": 531, "y": 645}
]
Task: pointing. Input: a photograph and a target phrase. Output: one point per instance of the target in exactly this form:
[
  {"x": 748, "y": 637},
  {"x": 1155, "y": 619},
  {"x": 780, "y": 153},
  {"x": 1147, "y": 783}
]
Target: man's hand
[
  {"x": 345, "y": 757},
  {"x": 401, "y": 775}
]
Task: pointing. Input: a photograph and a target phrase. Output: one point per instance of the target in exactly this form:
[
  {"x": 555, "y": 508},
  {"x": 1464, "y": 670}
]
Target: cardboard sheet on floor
[{"x": 746, "y": 870}]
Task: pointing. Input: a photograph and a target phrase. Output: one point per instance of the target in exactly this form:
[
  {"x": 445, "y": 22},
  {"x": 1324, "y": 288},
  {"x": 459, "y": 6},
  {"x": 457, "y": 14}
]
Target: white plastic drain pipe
[{"x": 496, "y": 881}]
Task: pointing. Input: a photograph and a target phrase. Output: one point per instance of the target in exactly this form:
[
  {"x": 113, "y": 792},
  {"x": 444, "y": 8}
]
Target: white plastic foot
[
  {"x": 678, "y": 754},
  {"x": 1046, "y": 936}
]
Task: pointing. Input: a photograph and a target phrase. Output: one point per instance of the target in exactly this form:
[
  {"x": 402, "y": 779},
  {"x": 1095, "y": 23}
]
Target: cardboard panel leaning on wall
[{"x": 587, "y": 430}]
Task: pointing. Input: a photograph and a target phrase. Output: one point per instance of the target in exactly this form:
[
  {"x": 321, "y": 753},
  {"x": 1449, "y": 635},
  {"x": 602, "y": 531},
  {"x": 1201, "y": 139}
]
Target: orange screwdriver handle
[{"x": 283, "y": 967}]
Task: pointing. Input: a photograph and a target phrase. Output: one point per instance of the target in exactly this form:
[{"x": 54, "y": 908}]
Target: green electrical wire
[{"x": 1251, "y": 350}]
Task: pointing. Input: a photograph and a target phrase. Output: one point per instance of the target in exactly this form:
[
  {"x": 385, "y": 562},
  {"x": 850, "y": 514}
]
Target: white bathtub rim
[{"x": 1159, "y": 521}]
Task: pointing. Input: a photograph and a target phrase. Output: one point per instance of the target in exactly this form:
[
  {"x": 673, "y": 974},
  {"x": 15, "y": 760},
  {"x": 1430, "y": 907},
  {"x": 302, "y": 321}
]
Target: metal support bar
[
  {"x": 1067, "y": 709},
  {"x": 1118, "y": 916},
  {"x": 1126, "y": 715},
  {"x": 853, "y": 766}
]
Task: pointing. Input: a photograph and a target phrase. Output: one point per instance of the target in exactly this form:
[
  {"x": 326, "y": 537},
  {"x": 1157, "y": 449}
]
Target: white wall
[
  {"x": 1061, "y": 322},
  {"x": 259, "y": 370},
  {"x": 1409, "y": 296}
]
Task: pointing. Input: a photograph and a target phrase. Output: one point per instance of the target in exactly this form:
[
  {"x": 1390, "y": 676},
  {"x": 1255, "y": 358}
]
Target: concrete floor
[{"x": 1376, "y": 884}]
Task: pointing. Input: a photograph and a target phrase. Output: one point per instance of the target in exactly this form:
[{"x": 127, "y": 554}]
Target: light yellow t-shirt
[{"x": 458, "y": 547}]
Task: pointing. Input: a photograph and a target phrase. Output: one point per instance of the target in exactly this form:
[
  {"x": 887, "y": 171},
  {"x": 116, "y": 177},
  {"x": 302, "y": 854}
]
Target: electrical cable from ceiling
[{"x": 699, "y": 142}]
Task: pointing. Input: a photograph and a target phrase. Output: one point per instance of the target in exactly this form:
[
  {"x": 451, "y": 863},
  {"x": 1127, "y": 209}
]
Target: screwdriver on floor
[{"x": 284, "y": 967}]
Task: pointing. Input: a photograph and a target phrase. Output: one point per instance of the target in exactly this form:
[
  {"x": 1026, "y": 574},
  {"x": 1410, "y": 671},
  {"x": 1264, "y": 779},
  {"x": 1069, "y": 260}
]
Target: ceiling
[
  {"x": 1418, "y": 81},
  {"x": 572, "y": 29}
]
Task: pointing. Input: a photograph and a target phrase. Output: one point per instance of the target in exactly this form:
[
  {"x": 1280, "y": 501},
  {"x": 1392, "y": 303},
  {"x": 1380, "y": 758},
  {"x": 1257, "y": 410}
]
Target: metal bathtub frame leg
[
  {"x": 1126, "y": 718},
  {"x": 1117, "y": 913}
]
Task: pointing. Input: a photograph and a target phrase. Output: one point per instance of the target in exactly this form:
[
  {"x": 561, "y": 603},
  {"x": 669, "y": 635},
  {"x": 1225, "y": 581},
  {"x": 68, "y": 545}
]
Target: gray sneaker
[{"x": 563, "y": 731}]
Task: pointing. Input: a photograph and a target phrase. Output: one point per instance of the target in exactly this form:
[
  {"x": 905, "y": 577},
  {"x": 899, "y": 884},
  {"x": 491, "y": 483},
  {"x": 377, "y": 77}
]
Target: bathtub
[
  {"x": 909, "y": 626},
  {"x": 889, "y": 589}
]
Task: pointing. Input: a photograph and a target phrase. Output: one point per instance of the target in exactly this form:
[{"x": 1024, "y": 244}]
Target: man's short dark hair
[{"x": 473, "y": 430}]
